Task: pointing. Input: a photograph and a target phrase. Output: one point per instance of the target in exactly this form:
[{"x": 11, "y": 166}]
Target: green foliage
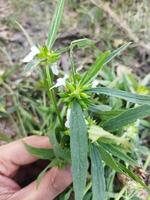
[
  {"x": 79, "y": 150},
  {"x": 45, "y": 154},
  {"x": 134, "y": 98},
  {"x": 52, "y": 35},
  {"x": 98, "y": 180},
  {"x": 127, "y": 118}
]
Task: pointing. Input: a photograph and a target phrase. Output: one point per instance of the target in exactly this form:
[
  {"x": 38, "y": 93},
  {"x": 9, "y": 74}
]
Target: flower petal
[
  {"x": 54, "y": 68},
  {"x": 35, "y": 50},
  {"x": 28, "y": 57},
  {"x": 67, "y": 123}
]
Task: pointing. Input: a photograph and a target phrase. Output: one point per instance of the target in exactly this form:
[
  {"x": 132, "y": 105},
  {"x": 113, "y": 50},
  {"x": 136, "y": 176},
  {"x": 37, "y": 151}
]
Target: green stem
[
  {"x": 73, "y": 69},
  {"x": 52, "y": 94}
]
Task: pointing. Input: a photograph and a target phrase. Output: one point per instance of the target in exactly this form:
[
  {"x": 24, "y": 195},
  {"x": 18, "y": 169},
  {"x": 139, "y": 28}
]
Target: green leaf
[
  {"x": 58, "y": 150},
  {"x": 118, "y": 152},
  {"x": 81, "y": 43},
  {"x": 97, "y": 169},
  {"x": 95, "y": 68},
  {"x": 134, "y": 98},
  {"x": 133, "y": 176},
  {"x": 41, "y": 153},
  {"x": 52, "y": 35},
  {"x": 31, "y": 66},
  {"x": 100, "y": 108},
  {"x": 126, "y": 118},
  {"x": 108, "y": 159},
  {"x": 102, "y": 60},
  {"x": 116, "y": 52},
  {"x": 79, "y": 150}
]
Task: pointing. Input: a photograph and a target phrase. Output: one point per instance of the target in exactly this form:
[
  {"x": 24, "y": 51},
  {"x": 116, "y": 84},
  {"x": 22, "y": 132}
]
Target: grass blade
[
  {"x": 134, "y": 98},
  {"x": 52, "y": 35},
  {"x": 126, "y": 118},
  {"x": 79, "y": 150},
  {"x": 41, "y": 153},
  {"x": 98, "y": 179}
]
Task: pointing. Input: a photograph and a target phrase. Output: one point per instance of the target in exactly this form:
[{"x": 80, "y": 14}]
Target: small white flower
[
  {"x": 67, "y": 123},
  {"x": 60, "y": 81},
  {"x": 34, "y": 51},
  {"x": 54, "y": 68}
]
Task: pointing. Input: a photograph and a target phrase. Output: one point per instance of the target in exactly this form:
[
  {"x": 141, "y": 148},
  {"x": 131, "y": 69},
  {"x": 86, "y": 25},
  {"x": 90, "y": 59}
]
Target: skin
[{"x": 13, "y": 156}]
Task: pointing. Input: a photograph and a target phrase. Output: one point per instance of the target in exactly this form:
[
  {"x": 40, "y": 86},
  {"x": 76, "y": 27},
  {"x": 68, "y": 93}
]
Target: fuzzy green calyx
[{"x": 48, "y": 56}]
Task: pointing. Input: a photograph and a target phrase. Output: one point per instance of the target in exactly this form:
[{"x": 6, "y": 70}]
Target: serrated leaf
[
  {"x": 95, "y": 68},
  {"x": 119, "y": 153},
  {"x": 134, "y": 98},
  {"x": 97, "y": 170},
  {"x": 31, "y": 66},
  {"x": 127, "y": 117},
  {"x": 41, "y": 153},
  {"x": 79, "y": 150},
  {"x": 52, "y": 35}
]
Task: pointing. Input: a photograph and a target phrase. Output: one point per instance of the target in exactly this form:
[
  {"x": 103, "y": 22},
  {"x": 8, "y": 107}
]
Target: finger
[
  {"x": 14, "y": 154},
  {"x": 53, "y": 183}
]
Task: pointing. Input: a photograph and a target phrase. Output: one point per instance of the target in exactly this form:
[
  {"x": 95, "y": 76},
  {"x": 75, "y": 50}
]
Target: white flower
[
  {"x": 67, "y": 123},
  {"x": 60, "y": 82},
  {"x": 34, "y": 51},
  {"x": 54, "y": 68}
]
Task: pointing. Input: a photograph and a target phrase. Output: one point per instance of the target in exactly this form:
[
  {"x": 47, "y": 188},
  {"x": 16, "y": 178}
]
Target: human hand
[{"x": 13, "y": 156}]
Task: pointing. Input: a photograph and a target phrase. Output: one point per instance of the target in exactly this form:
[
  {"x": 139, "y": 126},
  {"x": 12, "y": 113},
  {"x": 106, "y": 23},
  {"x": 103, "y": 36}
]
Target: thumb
[{"x": 53, "y": 183}]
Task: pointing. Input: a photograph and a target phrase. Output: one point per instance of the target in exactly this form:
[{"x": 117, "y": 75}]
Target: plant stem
[
  {"x": 52, "y": 94},
  {"x": 73, "y": 66}
]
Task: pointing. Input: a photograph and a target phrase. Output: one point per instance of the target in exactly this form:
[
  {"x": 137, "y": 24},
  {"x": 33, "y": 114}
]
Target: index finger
[{"x": 14, "y": 154}]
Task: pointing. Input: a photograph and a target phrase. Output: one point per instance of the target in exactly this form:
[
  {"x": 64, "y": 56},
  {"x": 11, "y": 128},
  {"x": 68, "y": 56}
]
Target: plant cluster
[{"x": 88, "y": 133}]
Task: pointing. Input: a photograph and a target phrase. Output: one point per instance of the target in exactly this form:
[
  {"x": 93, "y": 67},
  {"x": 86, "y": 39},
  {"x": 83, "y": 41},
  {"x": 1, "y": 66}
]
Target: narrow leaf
[
  {"x": 134, "y": 98},
  {"x": 41, "y": 175},
  {"x": 52, "y": 35},
  {"x": 102, "y": 60},
  {"x": 41, "y": 153},
  {"x": 133, "y": 176},
  {"x": 118, "y": 152},
  {"x": 98, "y": 179},
  {"x": 79, "y": 150},
  {"x": 127, "y": 117},
  {"x": 95, "y": 68},
  {"x": 108, "y": 159},
  {"x": 82, "y": 43},
  {"x": 116, "y": 52},
  {"x": 31, "y": 66},
  {"x": 58, "y": 150}
]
